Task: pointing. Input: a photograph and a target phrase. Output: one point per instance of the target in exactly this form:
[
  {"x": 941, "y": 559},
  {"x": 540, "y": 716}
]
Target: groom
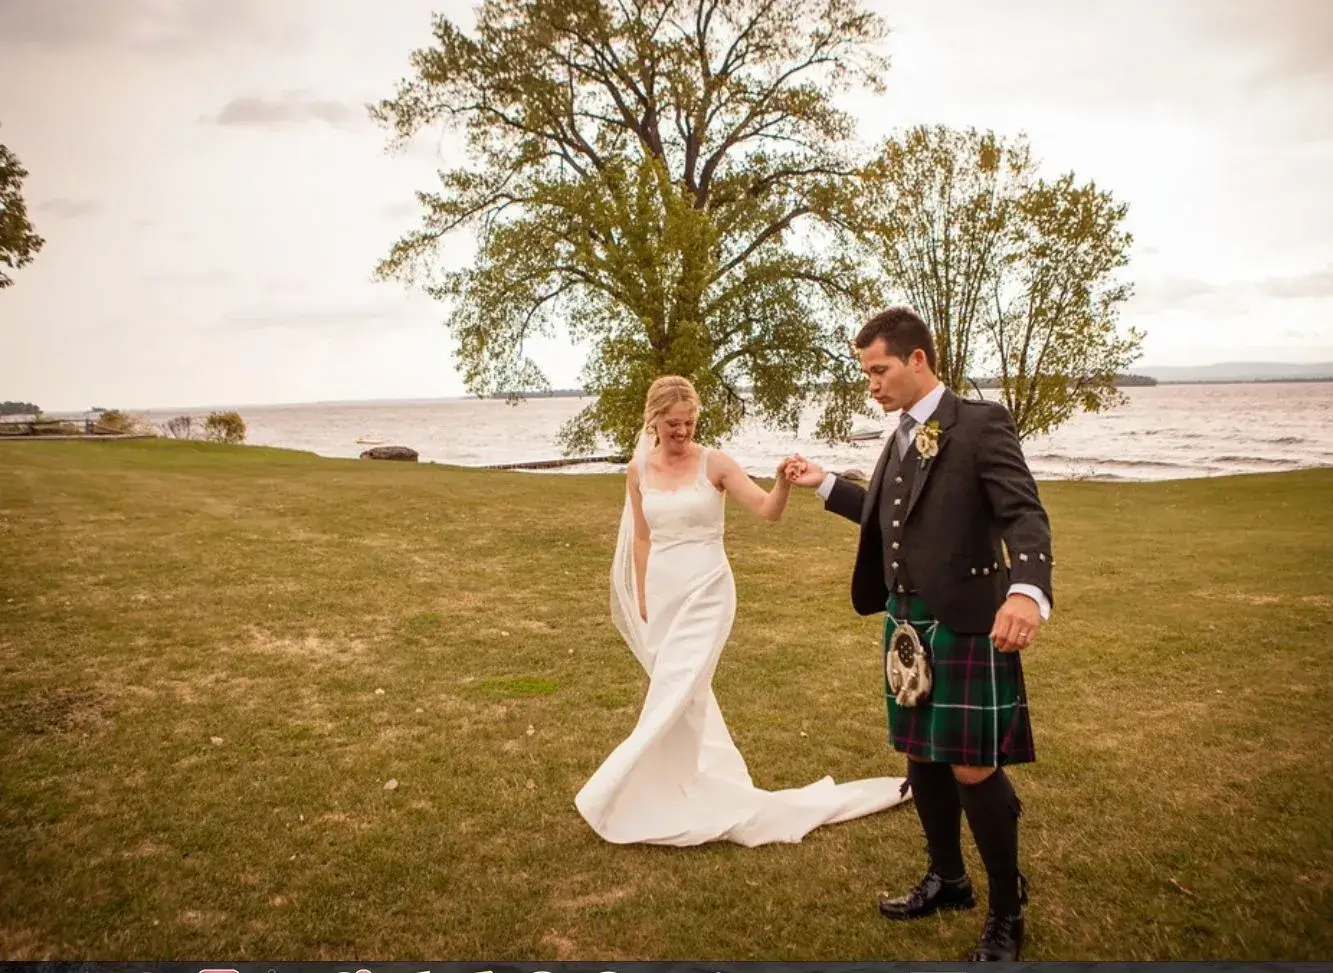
[{"x": 951, "y": 484}]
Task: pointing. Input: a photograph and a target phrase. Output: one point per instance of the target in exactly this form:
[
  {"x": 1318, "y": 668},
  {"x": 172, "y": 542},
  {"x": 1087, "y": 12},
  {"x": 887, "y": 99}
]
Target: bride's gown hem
[{"x": 678, "y": 778}]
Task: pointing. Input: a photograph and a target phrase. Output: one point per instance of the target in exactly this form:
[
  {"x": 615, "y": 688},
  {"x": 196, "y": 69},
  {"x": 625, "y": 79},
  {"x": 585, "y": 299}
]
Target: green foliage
[
  {"x": 1016, "y": 275},
  {"x": 224, "y": 427},
  {"x": 123, "y": 423},
  {"x": 19, "y": 242},
  {"x": 933, "y": 211},
  {"x": 660, "y": 182}
]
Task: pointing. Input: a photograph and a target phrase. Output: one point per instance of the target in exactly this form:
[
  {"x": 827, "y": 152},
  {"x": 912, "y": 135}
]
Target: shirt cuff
[
  {"x": 825, "y": 488},
  {"x": 1036, "y": 594}
]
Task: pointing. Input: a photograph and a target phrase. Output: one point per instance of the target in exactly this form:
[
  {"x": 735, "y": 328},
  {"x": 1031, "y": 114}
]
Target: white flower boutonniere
[{"x": 928, "y": 441}]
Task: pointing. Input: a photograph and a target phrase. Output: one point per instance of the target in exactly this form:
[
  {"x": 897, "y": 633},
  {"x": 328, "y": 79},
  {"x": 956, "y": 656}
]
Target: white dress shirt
[{"x": 921, "y": 412}]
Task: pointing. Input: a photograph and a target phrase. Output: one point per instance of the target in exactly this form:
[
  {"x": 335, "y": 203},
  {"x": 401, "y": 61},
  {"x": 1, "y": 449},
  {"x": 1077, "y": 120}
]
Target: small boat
[
  {"x": 362, "y": 441},
  {"x": 864, "y": 434}
]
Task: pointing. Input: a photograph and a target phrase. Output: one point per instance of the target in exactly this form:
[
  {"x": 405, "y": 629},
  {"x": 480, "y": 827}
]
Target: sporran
[{"x": 907, "y": 666}]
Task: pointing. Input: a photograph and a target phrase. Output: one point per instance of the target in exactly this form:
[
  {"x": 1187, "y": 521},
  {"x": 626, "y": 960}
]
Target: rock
[
  {"x": 391, "y": 452},
  {"x": 391, "y": 785}
]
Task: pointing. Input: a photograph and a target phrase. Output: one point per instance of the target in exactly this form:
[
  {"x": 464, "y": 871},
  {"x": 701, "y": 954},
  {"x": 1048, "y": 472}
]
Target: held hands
[
  {"x": 1016, "y": 623},
  {"x": 801, "y": 471}
]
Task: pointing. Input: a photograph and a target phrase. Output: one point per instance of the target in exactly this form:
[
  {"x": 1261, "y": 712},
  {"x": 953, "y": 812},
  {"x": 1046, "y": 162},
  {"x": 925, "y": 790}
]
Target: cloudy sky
[{"x": 214, "y": 199}]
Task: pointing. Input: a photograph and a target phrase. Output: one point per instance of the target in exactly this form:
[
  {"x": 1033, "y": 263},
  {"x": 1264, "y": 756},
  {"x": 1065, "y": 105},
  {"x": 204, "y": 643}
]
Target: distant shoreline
[
  {"x": 582, "y": 394},
  {"x": 1245, "y": 381},
  {"x": 981, "y": 383}
]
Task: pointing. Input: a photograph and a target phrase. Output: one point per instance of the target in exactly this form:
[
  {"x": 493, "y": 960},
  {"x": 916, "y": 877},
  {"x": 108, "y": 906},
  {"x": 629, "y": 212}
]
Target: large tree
[
  {"x": 1016, "y": 275},
  {"x": 933, "y": 210},
  {"x": 19, "y": 242},
  {"x": 1053, "y": 326},
  {"x": 655, "y": 179}
]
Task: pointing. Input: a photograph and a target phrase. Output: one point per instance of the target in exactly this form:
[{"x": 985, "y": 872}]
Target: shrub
[
  {"x": 225, "y": 427},
  {"x": 182, "y": 427},
  {"x": 122, "y": 423}
]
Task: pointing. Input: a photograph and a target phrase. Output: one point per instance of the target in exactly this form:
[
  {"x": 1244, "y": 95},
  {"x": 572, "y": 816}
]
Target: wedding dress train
[{"x": 678, "y": 779}]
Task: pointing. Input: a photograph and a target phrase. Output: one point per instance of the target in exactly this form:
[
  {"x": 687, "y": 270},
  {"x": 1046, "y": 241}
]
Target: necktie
[{"x": 903, "y": 436}]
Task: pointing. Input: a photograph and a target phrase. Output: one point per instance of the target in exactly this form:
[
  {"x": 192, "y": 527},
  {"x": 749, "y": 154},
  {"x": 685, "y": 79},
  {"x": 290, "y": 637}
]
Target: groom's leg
[
  {"x": 945, "y": 886},
  {"x": 938, "y": 805},
  {"x": 992, "y": 810}
]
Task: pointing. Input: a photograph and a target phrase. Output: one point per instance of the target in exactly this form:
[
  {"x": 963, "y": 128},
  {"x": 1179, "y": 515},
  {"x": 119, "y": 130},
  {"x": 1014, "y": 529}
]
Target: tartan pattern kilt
[{"x": 976, "y": 714}]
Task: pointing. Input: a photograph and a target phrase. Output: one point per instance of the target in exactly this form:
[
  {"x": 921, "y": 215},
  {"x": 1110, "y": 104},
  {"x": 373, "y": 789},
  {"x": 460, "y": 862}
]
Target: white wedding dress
[{"x": 678, "y": 778}]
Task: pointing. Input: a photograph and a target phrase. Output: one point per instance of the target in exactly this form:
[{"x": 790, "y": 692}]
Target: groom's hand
[{"x": 1016, "y": 623}]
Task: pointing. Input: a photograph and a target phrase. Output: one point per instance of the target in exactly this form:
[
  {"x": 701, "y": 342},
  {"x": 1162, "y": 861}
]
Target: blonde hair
[{"x": 665, "y": 394}]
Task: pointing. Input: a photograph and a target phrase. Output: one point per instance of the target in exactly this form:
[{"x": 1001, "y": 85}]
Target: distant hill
[
  {"x": 1121, "y": 381},
  {"x": 1241, "y": 372},
  {"x": 541, "y": 394},
  {"x": 1225, "y": 372}
]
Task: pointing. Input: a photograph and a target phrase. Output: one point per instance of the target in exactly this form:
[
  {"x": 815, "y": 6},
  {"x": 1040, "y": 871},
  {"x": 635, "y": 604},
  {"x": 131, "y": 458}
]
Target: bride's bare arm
[
  {"x": 642, "y": 540},
  {"x": 767, "y": 505}
]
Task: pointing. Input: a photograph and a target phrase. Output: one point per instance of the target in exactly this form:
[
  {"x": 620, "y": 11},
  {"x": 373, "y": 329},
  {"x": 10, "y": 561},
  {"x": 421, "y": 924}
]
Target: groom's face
[{"x": 894, "y": 383}]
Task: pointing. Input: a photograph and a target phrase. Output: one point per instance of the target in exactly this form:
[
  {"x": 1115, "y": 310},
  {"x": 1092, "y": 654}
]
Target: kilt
[{"x": 976, "y": 714}]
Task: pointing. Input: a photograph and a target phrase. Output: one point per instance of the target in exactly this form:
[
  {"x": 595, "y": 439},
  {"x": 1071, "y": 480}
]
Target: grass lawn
[{"x": 213, "y": 659}]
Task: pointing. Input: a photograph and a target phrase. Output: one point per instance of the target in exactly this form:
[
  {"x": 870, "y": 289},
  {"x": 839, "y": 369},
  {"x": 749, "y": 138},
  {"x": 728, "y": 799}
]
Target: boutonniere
[{"x": 928, "y": 441}]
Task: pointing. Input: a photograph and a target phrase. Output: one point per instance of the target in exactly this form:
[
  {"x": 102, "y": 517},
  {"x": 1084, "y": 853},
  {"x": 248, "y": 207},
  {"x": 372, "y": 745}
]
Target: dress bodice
[{"x": 694, "y": 511}]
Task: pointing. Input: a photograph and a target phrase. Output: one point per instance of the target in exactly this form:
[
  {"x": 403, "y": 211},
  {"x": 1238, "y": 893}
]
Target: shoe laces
[{"x": 997, "y": 927}]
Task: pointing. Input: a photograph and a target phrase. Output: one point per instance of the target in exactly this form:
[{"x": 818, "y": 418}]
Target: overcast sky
[{"x": 214, "y": 199}]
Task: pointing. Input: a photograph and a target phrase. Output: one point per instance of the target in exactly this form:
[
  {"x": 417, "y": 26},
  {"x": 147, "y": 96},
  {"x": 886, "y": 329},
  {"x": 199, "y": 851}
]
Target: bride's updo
[{"x": 664, "y": 395}]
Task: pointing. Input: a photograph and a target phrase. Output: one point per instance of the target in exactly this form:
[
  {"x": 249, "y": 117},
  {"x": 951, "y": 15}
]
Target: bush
[
  {"x": 122, "y": 423},
  {"x": 182, "y": 427},
  {"x": 225, "y": 427}
]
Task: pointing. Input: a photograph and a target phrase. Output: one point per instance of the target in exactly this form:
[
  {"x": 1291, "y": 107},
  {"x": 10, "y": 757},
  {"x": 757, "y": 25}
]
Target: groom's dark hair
[{"x": 902, "y": 331}]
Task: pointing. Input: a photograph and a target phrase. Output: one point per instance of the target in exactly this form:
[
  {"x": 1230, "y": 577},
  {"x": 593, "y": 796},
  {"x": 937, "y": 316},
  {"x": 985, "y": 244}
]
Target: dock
[{"x": 552, "y": 464}]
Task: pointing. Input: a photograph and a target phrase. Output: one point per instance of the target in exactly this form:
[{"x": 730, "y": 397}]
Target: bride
[{"x": 678, "y": 778}]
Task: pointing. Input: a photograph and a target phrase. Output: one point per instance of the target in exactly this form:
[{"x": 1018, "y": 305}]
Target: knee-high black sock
[
  {"x": 992, "y": 810},
  {"x": 935, "y": 794}
]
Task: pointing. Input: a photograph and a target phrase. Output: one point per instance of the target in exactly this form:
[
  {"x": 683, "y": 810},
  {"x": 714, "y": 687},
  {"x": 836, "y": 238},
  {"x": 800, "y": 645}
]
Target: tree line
[{"x": 672, "y": 184}]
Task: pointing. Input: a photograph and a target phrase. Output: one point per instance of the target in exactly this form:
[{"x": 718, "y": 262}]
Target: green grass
[{"x": 212, "y": 659}]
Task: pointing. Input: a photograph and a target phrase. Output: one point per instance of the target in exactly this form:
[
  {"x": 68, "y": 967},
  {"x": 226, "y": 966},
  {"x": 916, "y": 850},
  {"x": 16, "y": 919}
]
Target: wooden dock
[{"x": 552, "y": 464}]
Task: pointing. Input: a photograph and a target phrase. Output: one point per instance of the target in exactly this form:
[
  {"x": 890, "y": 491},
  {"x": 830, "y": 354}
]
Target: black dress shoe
[
  {"x": 1002, "y": 938},
  {"x": 929, "y": 897}
]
